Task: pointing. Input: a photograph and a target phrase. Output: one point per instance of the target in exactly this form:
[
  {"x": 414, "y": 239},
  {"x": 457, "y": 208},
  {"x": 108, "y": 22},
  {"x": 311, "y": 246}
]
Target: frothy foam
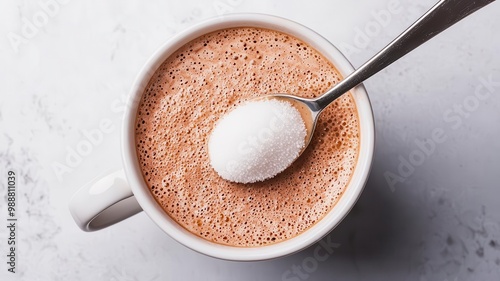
[{"x": 197, "y": 85}]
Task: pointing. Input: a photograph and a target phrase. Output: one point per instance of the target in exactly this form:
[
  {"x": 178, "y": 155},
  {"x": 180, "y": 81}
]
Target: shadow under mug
[{"x": 124, "y": 193}]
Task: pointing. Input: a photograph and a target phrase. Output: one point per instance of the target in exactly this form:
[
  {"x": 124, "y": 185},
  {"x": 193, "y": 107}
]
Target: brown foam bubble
[{"x": 200, "y": 82}]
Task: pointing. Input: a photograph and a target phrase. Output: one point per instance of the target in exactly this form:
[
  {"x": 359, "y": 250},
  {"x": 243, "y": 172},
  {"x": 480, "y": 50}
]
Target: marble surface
[{"x": 437, "y": 218}]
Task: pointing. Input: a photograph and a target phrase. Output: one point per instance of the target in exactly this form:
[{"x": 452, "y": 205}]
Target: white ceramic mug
[{"x": 124, "y": 193}]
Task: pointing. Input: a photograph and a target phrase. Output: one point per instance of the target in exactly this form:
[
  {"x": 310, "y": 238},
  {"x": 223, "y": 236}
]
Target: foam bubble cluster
[
  {"x": 199, "y": 84},
  {"x": 256, "y": 141}
]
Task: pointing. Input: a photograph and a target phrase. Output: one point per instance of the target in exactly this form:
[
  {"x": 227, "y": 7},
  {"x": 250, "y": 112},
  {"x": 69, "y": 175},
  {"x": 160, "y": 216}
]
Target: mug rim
[{"x": 289, "y": 246}]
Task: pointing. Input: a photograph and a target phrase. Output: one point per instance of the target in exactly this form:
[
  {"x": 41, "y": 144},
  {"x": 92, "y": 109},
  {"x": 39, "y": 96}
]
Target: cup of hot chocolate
[{"x": 175, "y": 102}]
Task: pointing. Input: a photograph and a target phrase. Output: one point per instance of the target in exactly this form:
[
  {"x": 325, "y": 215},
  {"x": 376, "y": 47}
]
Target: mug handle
[{"x": 103, "y": 202}]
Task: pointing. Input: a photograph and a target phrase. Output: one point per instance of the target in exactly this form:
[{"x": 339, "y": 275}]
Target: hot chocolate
[{"x": 197, "y": 85}]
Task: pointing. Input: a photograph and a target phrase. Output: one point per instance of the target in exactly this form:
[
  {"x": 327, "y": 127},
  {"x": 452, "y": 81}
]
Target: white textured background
[{"x": 440, "y": 223}]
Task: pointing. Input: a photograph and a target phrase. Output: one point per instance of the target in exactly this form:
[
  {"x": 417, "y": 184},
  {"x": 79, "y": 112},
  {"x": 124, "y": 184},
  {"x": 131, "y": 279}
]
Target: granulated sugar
[{"x": 256, "y": 141}]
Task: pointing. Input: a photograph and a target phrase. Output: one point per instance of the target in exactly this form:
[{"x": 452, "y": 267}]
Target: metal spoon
[{"x": 443, "y": 15}]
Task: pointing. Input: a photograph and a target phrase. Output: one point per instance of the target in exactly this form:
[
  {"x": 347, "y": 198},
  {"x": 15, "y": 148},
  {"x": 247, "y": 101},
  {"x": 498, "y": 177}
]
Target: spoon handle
[{"x": 441, "y": 16}]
